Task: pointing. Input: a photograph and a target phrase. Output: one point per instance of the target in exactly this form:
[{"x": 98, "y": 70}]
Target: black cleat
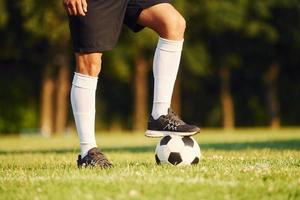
[
  {"x": 94, "y": 158},
  {"x": 170, "y": 124}
]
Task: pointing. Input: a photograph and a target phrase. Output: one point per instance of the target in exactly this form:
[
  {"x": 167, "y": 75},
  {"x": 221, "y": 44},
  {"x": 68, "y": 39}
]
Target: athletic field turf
[{"x": 245, "y": 164}]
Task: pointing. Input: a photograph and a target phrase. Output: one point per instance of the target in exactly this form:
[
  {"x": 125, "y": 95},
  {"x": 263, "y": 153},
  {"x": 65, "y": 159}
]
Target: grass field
[{"x": 245, "y": 164}]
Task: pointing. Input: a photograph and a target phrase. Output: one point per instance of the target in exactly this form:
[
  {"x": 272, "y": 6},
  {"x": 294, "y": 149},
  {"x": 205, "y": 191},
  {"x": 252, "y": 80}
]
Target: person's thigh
[{"x": 135, "y": 8}]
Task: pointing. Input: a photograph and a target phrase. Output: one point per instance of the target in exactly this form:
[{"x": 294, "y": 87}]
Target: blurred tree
[
  {"x": 46, "y": 105},
  {"x": 140, "y": 111},
  {"x": 140, "y": 49},
  {"x": 224, "y": 26},
  {"x": 47, "y": 20},
  {"x": 286, "y": 20},
  {"x": 271, "y": 80},
  {"x": 18, "y": 110},
  {"x": 3, "y": 13},
  {"x": 240, "y": 66}
]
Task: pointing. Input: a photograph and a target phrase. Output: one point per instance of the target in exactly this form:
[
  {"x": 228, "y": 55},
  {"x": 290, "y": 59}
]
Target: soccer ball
[{"x": 177, "y": 150}]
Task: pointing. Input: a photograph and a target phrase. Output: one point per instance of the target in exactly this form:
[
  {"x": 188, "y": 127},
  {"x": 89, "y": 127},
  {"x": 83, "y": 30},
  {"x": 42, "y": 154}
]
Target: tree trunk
[
  {"x": 62, "y": 95},
  {"x": 226, "y": 99},
  {"x": 140, "y": 93},
  {"x": 176, "y": 98},
  {"x": 47, "y": 97},
  {"x": 271, "y": 79}
]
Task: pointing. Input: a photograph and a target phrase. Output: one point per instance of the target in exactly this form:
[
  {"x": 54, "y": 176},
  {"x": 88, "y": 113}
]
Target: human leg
[
  {"x": 96, "y": 32},
  {"x": 165, "y": 20},
  {"x": 83, "y": 94},
  {"x": 170, "y": 26}
]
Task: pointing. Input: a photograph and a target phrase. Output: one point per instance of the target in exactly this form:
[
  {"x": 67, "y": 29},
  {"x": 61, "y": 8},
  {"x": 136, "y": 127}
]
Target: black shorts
[{"x": 99, "y": 30}]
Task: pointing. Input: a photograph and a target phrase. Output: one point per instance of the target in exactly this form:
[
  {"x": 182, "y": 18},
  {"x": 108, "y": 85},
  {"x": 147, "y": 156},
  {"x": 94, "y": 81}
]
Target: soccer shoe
[
  {"x": 169, "y": 124},
  {"x": 94, "y": 158}
]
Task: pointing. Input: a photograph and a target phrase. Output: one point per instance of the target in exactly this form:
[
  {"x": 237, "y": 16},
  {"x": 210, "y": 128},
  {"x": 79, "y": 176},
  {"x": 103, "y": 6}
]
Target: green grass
[{"x": 245, "y": 164}]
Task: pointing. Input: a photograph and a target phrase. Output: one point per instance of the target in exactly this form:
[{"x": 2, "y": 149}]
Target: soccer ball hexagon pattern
[{"x": 177, "y": 150}]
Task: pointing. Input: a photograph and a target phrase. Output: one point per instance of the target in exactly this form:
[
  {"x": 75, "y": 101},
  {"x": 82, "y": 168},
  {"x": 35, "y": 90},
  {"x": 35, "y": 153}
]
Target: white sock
[
  {"x": 83, "y": 94},
  {"x": 165, "y": 67}
]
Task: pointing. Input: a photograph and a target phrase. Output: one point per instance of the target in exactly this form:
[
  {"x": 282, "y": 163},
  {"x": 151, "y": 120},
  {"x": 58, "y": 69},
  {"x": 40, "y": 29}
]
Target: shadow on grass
[
  {"x": 276, "y": 145},
  {"x": 272, "y": 144}
]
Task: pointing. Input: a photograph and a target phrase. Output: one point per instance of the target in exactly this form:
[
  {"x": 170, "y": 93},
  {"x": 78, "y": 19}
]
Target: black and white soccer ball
[{"x": 177, "y": 150}]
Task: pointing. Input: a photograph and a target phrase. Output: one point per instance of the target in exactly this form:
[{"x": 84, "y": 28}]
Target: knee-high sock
[
  {"x": 165, "y": 67},
  {"x": 83, "y": 94}
]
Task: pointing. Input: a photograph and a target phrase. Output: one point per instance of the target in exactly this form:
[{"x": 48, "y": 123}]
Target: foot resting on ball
[
  {"x": 169, "y": 124},
  {"x": 94, "y": 158}
]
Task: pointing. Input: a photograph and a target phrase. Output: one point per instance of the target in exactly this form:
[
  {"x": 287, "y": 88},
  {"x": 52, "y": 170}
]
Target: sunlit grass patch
[{"x": 251, "y": 164}]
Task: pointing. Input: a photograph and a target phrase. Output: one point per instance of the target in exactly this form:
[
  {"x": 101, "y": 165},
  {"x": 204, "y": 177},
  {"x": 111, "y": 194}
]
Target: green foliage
[
  {"x": 117, "y": 65},
  {"x": 197, "y": 58},
  {"x": 3, "y": 13},
  {"x": 224, "y": 15},
  {"x": 45, "y": 19},
  {"x": 243, "y": 35},
  {"x": 120, "y": 61}
]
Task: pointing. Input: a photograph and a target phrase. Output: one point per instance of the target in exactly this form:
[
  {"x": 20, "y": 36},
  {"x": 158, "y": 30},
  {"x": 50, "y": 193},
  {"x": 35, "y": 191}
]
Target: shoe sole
[{"x": 158, "y": 134}]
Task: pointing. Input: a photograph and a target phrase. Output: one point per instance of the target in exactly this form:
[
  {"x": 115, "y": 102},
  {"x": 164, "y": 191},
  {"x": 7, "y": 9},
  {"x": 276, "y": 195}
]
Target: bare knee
[
  {"x": 165, "y": 20},
  {"x": 88, "y": 64},
  {"x": 174, "y": 28}
]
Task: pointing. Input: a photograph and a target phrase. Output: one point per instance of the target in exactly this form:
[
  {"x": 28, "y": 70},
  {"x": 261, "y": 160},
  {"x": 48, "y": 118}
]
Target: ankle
[
  {"x": 85, "y": 148},
  {"x": 159, "y": 109}
]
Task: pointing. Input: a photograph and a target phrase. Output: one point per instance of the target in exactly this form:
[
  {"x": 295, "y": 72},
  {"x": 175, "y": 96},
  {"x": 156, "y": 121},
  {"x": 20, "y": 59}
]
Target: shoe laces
[
  {"x": 99, "y": 158},
  {"x": 172, "y": 117}
]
